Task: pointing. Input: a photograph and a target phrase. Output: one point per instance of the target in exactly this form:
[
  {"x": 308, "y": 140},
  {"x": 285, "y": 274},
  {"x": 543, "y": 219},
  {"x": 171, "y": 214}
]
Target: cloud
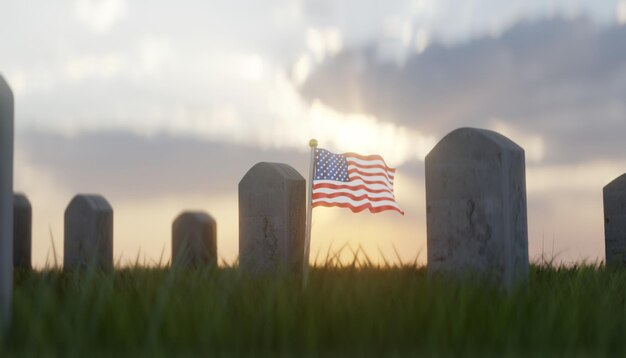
[
  {"x": 86, "y": 67},
  {"x": 100, "y": 15},
  {"x": 126, "y": 166},
  {"x": 219, "y": 73},
  {"x": 324, "y": 42},
  {"x": 620, "y": 12},
  {"x": 561, "y": 80}
]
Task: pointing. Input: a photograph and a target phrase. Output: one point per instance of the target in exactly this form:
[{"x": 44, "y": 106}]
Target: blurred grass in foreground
[{"x": 357, "y": 308}]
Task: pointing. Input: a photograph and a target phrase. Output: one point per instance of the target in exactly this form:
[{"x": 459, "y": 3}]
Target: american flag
[{"x": 353, "y": 181}]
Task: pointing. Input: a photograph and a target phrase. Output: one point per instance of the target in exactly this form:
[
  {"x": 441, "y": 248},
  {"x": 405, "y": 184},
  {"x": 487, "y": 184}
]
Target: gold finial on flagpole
[{"x": 313, "y": 143}]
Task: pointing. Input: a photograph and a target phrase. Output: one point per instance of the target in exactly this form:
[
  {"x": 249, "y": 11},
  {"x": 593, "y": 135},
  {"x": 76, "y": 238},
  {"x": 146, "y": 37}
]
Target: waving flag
[{"x": 353, "y": 181}]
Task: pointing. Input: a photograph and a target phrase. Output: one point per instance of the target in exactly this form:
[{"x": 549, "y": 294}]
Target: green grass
[{"x": 359, "y": 310}]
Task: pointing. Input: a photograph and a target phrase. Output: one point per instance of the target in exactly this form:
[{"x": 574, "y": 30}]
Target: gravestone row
[
  {"x": 476, "y": 217},
  {"x": 272, "y": 211},
  {"x": 88, "y": 240}
]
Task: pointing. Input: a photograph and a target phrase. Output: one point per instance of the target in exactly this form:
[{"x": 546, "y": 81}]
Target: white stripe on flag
[
  {"x": 359, "y": 192},
  {"x": 371, "y": 170},
  {"x": 367, "y": 162}
]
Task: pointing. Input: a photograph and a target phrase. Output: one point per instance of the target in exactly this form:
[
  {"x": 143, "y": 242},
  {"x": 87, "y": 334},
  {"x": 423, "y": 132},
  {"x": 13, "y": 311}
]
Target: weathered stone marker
[
  {"x": 22, "y": 232},
  {"x": 272, "y": 209},
  {"x": 6, "y": 201},
  {"x": 476, "y": 207},
  {"x": 194, "y": 240},
  {"x": 615, "y": 222},
  {"x": 88, "y": 233}
]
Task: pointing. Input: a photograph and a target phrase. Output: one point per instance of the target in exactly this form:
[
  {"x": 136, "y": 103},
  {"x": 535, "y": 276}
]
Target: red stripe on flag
[
  {"x": 365, "y": 157},
  {"x": 355, "y": 187},
  {"x": 370, "y": 166}
]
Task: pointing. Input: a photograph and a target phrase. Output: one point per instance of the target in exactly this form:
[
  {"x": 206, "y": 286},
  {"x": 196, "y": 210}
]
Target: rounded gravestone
[
  {"x": 476, "y": 207},
  {"x": 22, "y": 232},
  {"x": 614, "y": 195},
  {"x": 272, "y": 198},
  {"x": 6, "y": 200},
  {"x": 194, "y": 240},
  {"x": 88, "y": 233}
]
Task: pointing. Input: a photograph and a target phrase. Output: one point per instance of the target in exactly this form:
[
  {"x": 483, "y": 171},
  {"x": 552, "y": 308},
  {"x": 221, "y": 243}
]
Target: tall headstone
[
  {"x": 272, "y": 208},
  {"x": 6, "y": 201},
  {"x": 476, "y": 207},
  {"x": 194, "y": 240},
  {"x": 88, "y": 238},
  {"x": 615, "y": 222},
  {"x": 22, "y": 232}
]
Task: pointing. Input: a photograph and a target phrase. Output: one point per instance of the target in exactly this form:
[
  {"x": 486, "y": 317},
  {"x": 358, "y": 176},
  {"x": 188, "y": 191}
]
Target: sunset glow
[{"x": 163, "y": 117}]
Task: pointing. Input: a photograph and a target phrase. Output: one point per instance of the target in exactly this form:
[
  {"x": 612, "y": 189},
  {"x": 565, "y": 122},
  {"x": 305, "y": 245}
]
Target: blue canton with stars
[{"x": 329, "y": 166}]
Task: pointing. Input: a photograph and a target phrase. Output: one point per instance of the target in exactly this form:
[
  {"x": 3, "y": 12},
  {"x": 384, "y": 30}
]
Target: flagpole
[{"x": 309, "y": 213}]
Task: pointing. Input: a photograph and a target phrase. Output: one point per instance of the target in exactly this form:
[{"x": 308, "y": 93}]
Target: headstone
[
  {"x": 615, "y": 222},
  {"x": 272, "y": 209},
  {"x": 6, "y": 201},
  {"x": 88, "y": 233},
  {"x": 476, "y": 207},
  {"x": 22, "y": 232},
  {"x": 194, "y": 240}
]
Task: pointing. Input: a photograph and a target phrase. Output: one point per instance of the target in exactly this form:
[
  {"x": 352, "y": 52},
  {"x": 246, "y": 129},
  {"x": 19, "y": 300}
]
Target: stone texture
[
  {"x": 272, "y": 208},
  {"x": 88, "y": 233},
  {"x": 194, "y": 240},
  {"x": 6, "y": 201},
  {"x": 22, "y": 232},
  {"x": 615, "y": 222},
  {"x": 476, "y": 207}
]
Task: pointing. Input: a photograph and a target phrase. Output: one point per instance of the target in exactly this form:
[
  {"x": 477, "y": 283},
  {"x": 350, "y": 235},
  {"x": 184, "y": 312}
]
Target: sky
[{"x": 163, "y": 108}]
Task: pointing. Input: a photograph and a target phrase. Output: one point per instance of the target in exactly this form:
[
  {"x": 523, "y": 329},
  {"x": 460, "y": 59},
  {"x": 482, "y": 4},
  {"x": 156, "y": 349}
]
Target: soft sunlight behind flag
[{"x": 353, "y": 181}]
